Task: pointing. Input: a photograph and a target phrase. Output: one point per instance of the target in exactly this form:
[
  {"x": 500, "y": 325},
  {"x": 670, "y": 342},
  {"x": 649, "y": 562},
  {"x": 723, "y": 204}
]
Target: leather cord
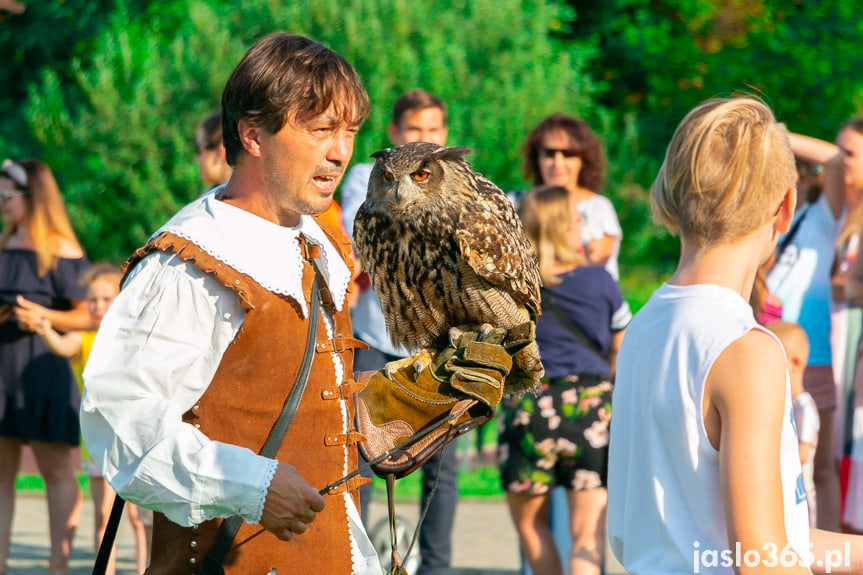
[{"x": 106, "y": 546}]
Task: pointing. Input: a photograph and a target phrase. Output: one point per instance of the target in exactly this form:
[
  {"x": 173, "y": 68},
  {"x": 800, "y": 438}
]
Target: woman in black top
[{"x": 40, "y": 261}]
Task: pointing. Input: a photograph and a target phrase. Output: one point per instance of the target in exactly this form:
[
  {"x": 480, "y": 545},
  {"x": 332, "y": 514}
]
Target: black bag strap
[
  {"x": 212, "y": 564},
  {"x": 549, "y": 304}
]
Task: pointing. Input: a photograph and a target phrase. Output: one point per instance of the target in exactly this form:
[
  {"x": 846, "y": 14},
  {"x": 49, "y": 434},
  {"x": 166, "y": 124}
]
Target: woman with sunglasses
[
  {"x": 563, "y": 151},
  {"x": 40, "y": 262}
]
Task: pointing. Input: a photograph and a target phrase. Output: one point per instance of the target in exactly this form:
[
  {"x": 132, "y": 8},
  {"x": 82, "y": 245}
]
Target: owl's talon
[
  {"x": 420, "y": 364},
  {"x": 389, "y": 371},
  {"x": 455, "y": 334},
  {"x": 419, "y": 361}
]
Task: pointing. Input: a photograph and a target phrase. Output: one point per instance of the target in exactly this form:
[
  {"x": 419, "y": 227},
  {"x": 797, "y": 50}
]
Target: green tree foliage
[
  {"x": 45, "y": 35},
  {"x": 122, "y": 135},
  {"x": 660, "y": 58},
  {"x": 122, "y": 139}
]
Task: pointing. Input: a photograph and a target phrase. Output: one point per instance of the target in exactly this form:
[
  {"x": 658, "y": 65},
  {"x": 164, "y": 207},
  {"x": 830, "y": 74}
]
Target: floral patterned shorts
[{"x": 557, "y": 438}]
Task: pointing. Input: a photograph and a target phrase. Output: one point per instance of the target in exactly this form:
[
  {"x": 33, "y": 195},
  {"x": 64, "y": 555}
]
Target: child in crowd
[
  {"x": 796, "y": 345},
  {"x": 704, "y": 472},
  {"x": 102, "y": 283}
]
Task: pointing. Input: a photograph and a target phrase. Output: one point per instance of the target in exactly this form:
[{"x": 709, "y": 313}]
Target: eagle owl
[{"x": 444, "y": 248}]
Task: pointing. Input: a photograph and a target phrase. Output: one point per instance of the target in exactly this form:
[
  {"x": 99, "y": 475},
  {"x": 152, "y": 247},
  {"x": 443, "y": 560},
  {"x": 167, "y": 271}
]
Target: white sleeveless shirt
[{"x": 665, "y": 510}]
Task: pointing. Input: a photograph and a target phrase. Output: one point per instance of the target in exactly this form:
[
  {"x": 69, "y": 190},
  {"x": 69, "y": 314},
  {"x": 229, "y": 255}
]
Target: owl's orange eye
[
  {"x": 420, "y": 175},
  {"x": 388, "y": 175}
]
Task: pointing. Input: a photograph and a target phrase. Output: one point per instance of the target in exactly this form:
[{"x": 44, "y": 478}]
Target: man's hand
[{"x": 291, "y": 503}]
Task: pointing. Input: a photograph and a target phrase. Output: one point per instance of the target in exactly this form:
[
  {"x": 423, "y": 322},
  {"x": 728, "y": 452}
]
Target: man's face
[
  {"x": 305, "y": 160},
  {"x": 425, "y": 125}
]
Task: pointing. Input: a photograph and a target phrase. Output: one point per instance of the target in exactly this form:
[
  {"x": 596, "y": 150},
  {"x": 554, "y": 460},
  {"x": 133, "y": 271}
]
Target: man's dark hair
[
  {"x": 583, "y": 141},
  {"x": 416, "y": 100},
  {"x": 284, "y": 77}
]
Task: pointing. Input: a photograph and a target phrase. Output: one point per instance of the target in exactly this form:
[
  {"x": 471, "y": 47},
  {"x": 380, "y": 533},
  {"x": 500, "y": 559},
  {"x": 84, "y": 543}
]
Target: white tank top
[{"x": 664, "y": 501}]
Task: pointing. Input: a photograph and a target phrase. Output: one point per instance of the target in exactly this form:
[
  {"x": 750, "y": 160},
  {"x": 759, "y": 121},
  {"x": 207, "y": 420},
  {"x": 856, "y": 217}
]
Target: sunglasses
[{"x": 551, "y": 152}]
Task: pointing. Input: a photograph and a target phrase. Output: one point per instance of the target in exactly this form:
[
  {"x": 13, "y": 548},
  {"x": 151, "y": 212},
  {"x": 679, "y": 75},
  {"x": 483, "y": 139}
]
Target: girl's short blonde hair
[
  {"x": 725, "y": 172},
  {"x": 99, "y": 271}
]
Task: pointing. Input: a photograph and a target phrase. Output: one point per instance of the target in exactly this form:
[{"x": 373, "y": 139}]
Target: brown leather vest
[{"x": 244, "y": 399}]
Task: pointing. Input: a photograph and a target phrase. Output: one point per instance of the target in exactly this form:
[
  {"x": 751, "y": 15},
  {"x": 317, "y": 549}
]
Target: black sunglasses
[{"x": 551, "y": 152}]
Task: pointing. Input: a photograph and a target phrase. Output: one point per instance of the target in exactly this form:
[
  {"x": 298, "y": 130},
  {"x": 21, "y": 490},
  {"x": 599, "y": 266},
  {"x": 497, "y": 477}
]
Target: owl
[{"x": 444, "y": 248}]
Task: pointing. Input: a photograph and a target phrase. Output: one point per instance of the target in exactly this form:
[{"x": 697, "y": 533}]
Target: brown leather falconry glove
[{"x": 459, "y": 389}]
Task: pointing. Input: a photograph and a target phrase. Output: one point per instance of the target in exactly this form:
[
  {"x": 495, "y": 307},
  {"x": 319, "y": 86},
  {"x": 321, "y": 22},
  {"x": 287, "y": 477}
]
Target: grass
[{"x": 33, "y": 483}]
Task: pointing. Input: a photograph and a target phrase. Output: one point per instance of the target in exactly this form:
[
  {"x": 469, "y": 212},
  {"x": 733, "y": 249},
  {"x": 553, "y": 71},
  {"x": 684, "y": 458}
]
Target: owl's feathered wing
[{"x": 491, "y": 241}]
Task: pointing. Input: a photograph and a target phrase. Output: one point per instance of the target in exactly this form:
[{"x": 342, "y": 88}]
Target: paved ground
[{"x": 485, "y": 542}]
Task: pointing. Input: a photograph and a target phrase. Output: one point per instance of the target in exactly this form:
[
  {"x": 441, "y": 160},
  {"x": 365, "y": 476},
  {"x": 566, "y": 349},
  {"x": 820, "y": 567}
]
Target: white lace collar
[{"x": 266, "y": 252}]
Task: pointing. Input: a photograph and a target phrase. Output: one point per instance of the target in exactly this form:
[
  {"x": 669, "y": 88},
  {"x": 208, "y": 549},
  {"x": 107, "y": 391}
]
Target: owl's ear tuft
[
  {"x": 381, "y": 153},
  {"x": 453, "y": 153}
]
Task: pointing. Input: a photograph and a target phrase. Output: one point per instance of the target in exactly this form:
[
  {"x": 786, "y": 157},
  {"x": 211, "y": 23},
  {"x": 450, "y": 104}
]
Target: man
[
  {"x": 197, "y": 354},
  {"x": 417, "y": 116}
]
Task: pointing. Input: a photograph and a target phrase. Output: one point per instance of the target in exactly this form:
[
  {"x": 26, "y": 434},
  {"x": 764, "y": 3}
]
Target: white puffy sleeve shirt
[
  {"x": 153, "y": 358},
  {"x": 157, "y": 351}
]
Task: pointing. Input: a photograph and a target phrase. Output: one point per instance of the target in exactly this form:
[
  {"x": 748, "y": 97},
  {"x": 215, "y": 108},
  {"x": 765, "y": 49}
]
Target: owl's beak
[{"x": 403, "y": 195}]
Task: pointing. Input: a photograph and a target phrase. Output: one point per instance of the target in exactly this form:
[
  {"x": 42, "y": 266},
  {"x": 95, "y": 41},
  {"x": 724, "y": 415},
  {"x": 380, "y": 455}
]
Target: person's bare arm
[
  {"x": 854, "y": 283},
  {"x": 836, "y": 552},
  {"x": 804, "y": 450},
  {"x": 291, "y": 503},
  {"x": 29, "y": 314},
  {"x": 65, "y": 345},
  {"x": 811, "y": 149},
  {"x": 744, "y": 412},
  {"x": 599, "y": 250},
  {"x": 616, "y": 339}
]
